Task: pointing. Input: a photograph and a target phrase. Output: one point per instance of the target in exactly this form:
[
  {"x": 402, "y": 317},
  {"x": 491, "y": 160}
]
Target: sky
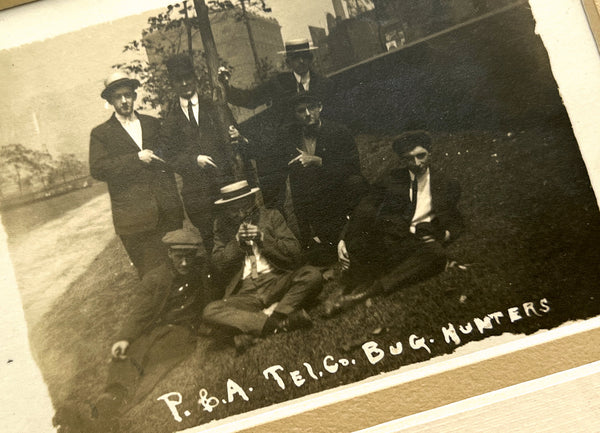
[
  {"x": 62, "y": 16},
  {"x": 52, "y": 73}
]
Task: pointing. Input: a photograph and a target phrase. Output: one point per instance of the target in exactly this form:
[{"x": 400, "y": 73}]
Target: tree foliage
[
  {"x": 167, "y": 35},
  {"x": 25, "y": 168}
]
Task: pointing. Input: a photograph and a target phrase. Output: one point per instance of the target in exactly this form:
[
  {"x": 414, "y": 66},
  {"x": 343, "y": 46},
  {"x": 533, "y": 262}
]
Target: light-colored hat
[
  {"x": 116, "y": 79},
  {"x": 296, "y": 46},
  {"x": 182, "y": 239},
  {"x": 235, "y": 191}
]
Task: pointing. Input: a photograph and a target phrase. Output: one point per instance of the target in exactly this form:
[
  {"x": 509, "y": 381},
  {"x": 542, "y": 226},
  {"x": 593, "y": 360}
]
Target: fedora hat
[
  {"x": 297, "y": 46},
  {"x": 235, "y": 191},
  {"x": 116, "y": 79}
]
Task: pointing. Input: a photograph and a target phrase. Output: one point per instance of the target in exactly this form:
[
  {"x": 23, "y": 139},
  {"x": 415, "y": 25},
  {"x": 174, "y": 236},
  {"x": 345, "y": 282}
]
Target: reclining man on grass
[
  {"x": 159, "y": 333},
  {"x": 397, "y": 234},
  {"x": 257, "y": 255}
]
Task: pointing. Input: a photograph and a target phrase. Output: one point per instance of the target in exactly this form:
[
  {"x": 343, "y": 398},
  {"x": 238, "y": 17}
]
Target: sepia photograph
[{"x": 214, "y": 208}]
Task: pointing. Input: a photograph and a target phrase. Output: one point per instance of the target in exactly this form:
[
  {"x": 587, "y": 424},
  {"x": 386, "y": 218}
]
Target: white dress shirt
[
  {"x": 304, "y": 80},
  {"x": 262, "y": 266},
  {"x": 133, "y": 127},
  {"x": 423, "y": 211},
  {"x": 183, "y": 103}
]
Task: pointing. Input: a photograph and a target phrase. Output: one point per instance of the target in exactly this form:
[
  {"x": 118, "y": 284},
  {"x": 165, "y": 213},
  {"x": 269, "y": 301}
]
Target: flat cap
[{"x": 182, "y": 239}]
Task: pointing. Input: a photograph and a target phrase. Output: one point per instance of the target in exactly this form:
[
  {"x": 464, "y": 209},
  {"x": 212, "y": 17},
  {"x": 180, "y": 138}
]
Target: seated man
[
  {"x": 396, "y": 235},
  {"x": 158, "y": 334},
  {"x": 321, "y": 160},
  {"x": 259, "y": 258}
]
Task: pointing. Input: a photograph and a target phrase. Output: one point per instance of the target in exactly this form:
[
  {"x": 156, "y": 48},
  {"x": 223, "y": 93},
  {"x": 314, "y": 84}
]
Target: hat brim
[
  {"x": 229, "y": 200},
  {"x": 303, "y": 50},
  {"x": 131, "y": 82}
]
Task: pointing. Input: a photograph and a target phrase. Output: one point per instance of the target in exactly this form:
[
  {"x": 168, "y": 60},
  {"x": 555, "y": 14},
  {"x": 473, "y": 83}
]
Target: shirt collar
[
  {"x": 184, "y": 102},
  {"x": 302, "y": 78},
  {"x": 125, "y": 120}
]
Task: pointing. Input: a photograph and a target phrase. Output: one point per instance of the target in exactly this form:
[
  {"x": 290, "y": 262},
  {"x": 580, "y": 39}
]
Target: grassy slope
[{"x": 533, "y": 231}]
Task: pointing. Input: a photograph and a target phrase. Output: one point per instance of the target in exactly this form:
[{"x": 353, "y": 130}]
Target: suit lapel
[{"x": 121, "y": 135}]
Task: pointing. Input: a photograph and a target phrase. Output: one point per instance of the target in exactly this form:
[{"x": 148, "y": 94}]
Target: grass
[{"x": 533, "y": 230}]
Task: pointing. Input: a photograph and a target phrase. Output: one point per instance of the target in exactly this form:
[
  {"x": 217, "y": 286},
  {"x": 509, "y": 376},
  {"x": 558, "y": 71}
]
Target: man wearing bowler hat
[
  {"x": 159, "y": 332},
  {"x": 259, "y": 258},
  {"x": 397, "y": 234},
  {"x": 193, "y": 146},
  {"x": 301, "y": 78},
  {"x": 124, "y": 153}
]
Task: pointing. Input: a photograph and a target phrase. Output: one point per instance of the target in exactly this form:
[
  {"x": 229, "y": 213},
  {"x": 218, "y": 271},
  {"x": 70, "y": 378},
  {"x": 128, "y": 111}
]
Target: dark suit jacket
[
  {"x": 334, "y": 144},
  {"x": 383, "y": 210},
  {"x": 138, "y": 191},
  {"x": 182, "y": 144},
  {"x": 279, "y": 246},
  {"x": 158, "y": 286},
  {"x": 278, "y": 89}
]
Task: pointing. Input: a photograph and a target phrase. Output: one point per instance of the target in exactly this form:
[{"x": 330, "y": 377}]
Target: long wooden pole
[{"x": 225, "y": 118}]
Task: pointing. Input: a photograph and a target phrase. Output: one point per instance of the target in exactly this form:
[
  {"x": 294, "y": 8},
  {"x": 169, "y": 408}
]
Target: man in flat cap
[
  {"x": 320, "y": 159},
  {"x": 300, "y": 78},
  {"x": 193, "y": 146},
  {"x": 124, "y": 153},
  {"x": 158, "y": 334},
  {"x": 260, "y": 260},
  {"x": 397, "y": 234}
]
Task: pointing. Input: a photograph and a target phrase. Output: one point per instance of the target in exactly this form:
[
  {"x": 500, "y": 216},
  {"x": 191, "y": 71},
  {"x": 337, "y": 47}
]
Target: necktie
[
  {"x": 253, "y": 264},
  {"x": 191, "y": 115},
  {"x": 412, "y": 206},
  {"x": 301, "y": 88}
]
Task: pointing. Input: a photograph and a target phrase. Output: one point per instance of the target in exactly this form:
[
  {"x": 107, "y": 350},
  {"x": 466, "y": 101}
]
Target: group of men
[{"x": 241, "y": 268}]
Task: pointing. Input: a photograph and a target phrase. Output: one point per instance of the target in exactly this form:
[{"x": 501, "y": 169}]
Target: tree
[{"x": 171, "y": 32}]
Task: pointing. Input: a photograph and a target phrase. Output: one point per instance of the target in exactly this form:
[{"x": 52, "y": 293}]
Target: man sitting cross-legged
[
  {"x": 396, "y": 235},
  {"x": 258, "y": 256}
]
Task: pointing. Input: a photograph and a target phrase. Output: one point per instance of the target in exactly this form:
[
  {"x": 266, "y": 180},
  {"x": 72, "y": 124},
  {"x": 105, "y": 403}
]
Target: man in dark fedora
[
  {"x": 124, "y": 153},
  {"x": 193, "y": 146},
  {"x": 159, "y": 332},
  {"x": 300, "y": 78},
  {"x": 397, "y": 234},
  {"x": 320, "y": 159},
  {"x": 259, "y": 258}
]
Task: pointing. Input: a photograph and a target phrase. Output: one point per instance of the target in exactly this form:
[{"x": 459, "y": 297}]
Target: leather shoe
[{"x": 295, "y": 320}]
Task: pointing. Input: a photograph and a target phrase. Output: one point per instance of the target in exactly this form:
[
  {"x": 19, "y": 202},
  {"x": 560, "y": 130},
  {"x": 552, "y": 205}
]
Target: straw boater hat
[
  {"x": 236, "y": 191},
  {"x": 182, "y": 239},
  {"x": 297, "y": 46},
  {"x": 117, "y": 79}
]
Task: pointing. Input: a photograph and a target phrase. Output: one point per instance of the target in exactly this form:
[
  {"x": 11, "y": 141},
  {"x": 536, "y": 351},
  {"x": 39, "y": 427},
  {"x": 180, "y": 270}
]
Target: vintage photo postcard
[{"x": 219, "y": 214}]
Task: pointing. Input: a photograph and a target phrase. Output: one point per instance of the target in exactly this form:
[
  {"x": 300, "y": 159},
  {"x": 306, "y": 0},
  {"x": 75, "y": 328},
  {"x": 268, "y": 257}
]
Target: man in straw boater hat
[
  {"x": 397, "y": 235},
  {"x": 124, "y": 153},
  {"x": 193, "y": 146},
  {"x": 301, "y": 78},
  {"x": 260, "y": 260},
  {"x": 159, "y": 332}
]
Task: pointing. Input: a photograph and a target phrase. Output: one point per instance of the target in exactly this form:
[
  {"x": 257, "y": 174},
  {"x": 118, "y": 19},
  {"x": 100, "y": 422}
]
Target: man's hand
[
  {"x": 223, "y": 74},
  {"x": 248, "y": 233},
  {"x": 147, "y": 155},
  {"x": 119, "y": 348},
  {"x": 343, "y": 256},
  {"x": 235, "y": 136},
  {"x": 446, "y": 236},
  {"x": 204, "y": 161},
  {"x": 307, "y": 160}
]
